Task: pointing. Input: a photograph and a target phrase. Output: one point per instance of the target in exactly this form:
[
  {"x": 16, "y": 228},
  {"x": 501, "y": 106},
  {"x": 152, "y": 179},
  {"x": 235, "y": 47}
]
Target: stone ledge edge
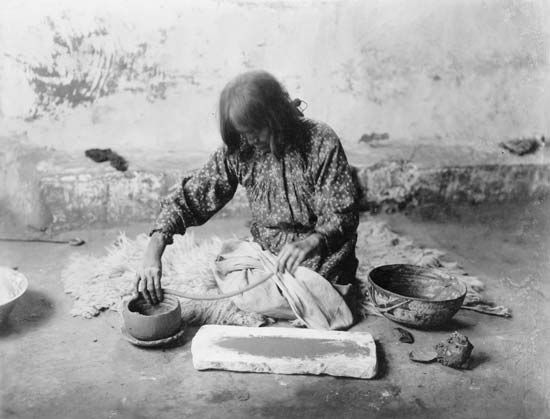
[{"x": 76, "y": 200}]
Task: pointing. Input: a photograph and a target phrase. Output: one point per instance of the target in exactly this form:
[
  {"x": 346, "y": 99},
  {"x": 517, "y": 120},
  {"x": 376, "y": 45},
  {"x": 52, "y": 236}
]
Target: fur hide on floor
[{"x": 98, "y": 283}]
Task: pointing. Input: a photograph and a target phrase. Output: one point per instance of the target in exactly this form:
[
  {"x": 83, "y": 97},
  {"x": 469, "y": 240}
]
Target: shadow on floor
[
  {"x": 453, "y": 325},
  {"x": 31, "y": 311},
  {"x": 382, "y": 361},
  {"x": 478, "y": 358}
]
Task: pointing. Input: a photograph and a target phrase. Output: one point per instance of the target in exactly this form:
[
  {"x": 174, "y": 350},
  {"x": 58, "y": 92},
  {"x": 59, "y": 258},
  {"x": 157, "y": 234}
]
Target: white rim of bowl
[{"x": 15, "y": 274}]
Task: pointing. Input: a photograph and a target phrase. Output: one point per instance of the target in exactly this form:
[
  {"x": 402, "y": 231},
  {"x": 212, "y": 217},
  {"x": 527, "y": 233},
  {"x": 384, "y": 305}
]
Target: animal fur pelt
[{"x": 99, "y": 283}]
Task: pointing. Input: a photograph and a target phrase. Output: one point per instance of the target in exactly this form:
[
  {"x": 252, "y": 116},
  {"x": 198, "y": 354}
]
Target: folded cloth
[{"x": 304, "y": 295}]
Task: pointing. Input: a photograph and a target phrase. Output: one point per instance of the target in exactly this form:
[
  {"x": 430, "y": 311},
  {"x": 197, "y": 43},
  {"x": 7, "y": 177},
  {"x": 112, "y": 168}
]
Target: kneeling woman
[{"x": 297, "y": 180}]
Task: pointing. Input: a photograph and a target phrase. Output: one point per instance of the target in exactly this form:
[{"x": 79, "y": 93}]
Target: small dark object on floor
[
  {"x": 404, "y": 335},
  {"x": 522, "y": 146},
  {"x": 106, "y": 154},
  {"x": 368, "y": 138},
  {"x": 455, "y": 351}
]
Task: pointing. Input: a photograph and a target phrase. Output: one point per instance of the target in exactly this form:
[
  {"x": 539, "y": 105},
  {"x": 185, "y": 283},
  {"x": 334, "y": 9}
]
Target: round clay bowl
[
  {"x": 13, "y": 285},
  {"x": 152, "y": 322},
  {"x": 415, "y": 295}
]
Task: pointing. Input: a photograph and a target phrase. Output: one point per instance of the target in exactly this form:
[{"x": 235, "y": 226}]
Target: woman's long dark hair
[{"x": 257, "y": 100}]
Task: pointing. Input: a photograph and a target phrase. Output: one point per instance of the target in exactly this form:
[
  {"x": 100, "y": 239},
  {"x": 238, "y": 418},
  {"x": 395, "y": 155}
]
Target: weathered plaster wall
[{"x": 147, "y": 75}]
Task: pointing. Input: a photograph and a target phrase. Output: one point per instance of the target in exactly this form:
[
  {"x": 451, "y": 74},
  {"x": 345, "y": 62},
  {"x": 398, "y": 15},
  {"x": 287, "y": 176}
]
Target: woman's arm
[
  {"x": 197, "y": 198},
  {"x": 148, "y": 277}
]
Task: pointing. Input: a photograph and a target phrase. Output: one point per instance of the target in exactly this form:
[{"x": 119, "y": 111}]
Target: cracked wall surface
[{"x": 147, "y": 75}]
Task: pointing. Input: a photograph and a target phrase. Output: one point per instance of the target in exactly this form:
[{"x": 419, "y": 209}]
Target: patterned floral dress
[{"x": 306, "y": 190}]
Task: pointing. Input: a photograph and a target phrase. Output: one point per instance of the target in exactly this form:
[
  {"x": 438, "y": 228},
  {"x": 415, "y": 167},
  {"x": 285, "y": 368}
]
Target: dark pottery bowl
[
  {"x": 152, "y": 322},
  {"x": 415, "y": 295}
]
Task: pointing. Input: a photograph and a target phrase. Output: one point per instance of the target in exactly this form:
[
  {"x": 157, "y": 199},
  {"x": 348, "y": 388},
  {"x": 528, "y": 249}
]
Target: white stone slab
[{"x": 285, "y": 351}]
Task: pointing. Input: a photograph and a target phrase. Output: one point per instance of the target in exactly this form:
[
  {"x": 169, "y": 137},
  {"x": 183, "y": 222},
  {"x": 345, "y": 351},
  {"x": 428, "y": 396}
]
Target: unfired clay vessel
[{"x": 147, "y": 322}]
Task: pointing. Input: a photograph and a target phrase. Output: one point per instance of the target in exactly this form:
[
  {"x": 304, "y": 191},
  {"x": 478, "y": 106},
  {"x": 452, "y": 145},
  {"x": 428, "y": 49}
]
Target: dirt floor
[{"x": 55, "y": 366}]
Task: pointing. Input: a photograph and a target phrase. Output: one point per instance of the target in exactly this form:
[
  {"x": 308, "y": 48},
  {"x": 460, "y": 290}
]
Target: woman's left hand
[{"x": 293, "y": 254}]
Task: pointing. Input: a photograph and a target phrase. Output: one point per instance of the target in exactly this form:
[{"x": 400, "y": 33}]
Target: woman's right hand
[{"x": 148, "y": 278}]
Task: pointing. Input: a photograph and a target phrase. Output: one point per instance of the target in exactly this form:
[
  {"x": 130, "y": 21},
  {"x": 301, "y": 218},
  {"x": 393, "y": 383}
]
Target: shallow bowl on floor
[
  {"x": 415, "y": 295},
  {"x": 148, "y": 322},
  {"x": 13, "y": 285}
]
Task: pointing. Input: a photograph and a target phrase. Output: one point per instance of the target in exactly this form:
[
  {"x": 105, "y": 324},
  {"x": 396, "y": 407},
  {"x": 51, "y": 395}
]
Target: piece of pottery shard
[
  {"x": 423, "y": 356},
  {"x": 404, "y": 335},
  {"x": 282, "y": 350}
]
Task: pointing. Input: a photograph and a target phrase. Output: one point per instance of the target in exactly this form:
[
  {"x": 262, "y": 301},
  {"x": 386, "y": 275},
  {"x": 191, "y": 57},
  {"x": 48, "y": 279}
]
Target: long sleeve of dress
[
  {"x": 335, "y": 193},
  {"x": 198, "y": 197}
]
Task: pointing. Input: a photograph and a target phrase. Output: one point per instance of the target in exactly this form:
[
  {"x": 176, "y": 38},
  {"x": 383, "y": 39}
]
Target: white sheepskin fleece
[{"x": 99, "y": 283}]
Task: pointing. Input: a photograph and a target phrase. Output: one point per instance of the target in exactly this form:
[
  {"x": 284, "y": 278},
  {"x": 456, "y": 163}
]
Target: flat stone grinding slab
[{"x": 284, "y": 351}]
